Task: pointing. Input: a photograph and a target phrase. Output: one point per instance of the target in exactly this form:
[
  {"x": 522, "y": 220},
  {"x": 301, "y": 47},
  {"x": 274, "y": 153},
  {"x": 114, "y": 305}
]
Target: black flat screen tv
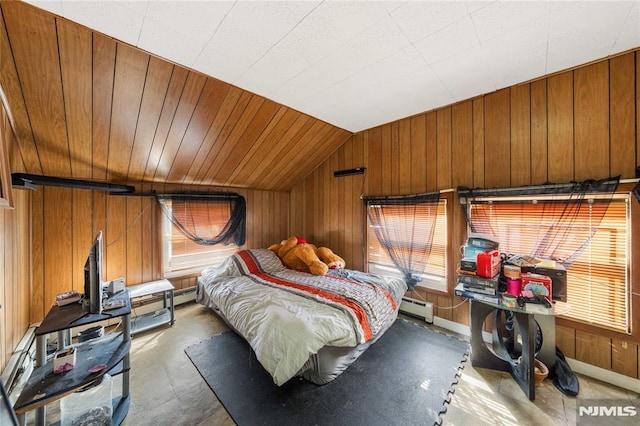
[{"x": 92, "y": 301}]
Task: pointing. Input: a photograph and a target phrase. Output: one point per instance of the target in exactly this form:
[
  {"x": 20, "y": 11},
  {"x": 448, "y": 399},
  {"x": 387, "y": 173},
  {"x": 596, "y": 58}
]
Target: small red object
[
  {"x": 97, "y": 368},
  {"x": 488, "y": 264}
]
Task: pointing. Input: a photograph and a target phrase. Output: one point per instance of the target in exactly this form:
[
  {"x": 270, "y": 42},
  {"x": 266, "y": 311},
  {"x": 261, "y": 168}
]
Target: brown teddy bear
[{"x": 297, "y": 254}]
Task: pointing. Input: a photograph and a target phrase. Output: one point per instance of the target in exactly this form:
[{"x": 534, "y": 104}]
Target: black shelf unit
[{"x": 44, "y": 387}]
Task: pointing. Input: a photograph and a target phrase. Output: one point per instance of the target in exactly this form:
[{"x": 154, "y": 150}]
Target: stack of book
[
  {"x": 478, "y": 288},
  {"x": 470, "y": 282},
  {"x": 476, "y": 284}
]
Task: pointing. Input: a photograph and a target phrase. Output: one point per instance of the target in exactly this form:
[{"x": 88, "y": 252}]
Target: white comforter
[{"x": 283, "y": 329}]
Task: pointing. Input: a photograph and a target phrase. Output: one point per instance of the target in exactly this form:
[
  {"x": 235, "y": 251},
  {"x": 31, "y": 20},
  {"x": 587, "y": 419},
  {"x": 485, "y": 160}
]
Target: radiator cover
[{"x": 417, "y": 308}]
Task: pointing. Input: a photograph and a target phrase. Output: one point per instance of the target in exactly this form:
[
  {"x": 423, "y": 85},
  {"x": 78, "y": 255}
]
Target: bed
[{"x": 299, "y": 324}]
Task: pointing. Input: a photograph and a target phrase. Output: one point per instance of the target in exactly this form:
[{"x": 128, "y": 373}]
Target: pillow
[{"x": 257, "y": 261}]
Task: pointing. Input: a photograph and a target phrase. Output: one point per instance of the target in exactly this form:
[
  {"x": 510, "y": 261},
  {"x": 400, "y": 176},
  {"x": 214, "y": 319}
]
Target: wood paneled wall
[
  {"x": 45, "y": 239},
  {"x": 574, "y": 125},
  {"x": 88, "y": 106},
  {"x": 15, "y": 252},
  {"x": 65, "y": 222},
  {"x": 14, "y": 275}
]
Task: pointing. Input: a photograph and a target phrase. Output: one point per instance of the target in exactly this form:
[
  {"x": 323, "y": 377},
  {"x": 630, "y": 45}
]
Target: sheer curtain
[
  {"x": 564, "y": 225},
  {"x": 197, "y": 216},
  {"x": 404, "y": 227}
]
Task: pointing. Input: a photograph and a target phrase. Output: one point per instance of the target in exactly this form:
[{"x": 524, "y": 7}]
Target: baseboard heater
[{"x": 417, "y": 308}]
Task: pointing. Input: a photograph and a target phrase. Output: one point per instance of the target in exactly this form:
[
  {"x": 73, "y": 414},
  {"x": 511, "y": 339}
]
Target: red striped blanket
[{"x": 367, "y": 304}]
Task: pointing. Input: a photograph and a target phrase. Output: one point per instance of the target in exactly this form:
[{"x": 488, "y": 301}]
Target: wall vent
[{"x": 417, "y": 308}]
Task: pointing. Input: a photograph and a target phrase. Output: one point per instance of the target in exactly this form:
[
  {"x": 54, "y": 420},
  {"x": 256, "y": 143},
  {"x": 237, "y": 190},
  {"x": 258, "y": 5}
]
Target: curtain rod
[
  {"x": 25, "y": 180},
  {"x": 176, "y": 195},
  {"x": 465, "y": 192},
  {"x": 390, "y": 197}
]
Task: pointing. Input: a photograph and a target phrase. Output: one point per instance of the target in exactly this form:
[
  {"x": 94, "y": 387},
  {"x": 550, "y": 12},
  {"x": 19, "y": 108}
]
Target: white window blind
[
  {"x": 598, "y": 281},
  {"x": 434, "y": 276}
]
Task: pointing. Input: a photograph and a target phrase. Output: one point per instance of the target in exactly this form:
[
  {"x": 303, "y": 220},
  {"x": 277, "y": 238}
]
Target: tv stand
[{"x": 44, "y": 387}]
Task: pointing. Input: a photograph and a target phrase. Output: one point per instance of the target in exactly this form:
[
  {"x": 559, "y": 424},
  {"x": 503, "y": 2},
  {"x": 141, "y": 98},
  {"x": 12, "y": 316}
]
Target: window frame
[
  {"x": 220, "y": 251},
  {"x": 6, "y": 135},
  {"x": 632, "y": 246},
  {"x": 449, "y": 268}
]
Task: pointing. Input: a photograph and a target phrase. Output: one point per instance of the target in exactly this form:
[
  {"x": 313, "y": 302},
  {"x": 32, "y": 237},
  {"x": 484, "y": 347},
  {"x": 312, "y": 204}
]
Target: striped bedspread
[
  {"x": 286, "y": 315},
  {"x": 368, "y": 305}
]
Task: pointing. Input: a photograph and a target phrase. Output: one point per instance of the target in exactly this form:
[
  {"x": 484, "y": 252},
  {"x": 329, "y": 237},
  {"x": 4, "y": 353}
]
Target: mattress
[{"x": 300, "y": 324}]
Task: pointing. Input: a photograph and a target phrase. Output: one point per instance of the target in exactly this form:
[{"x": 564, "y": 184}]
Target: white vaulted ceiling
[{"x": 360, "y": 64}]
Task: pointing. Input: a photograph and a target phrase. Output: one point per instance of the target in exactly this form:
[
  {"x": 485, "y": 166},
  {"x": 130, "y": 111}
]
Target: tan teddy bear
[{"x": 299, "y": 255}]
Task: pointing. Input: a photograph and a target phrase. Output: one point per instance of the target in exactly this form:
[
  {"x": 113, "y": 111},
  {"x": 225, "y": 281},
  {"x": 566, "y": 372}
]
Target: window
[
  {"x": 201, "y": 218},
  {"x": 598, "y": 278},
  {"x": 6, "y": 136},
  {"x": 435, "y": 273}
]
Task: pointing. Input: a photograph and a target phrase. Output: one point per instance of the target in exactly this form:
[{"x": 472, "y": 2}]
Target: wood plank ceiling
[{"x": 86, "y": 106}]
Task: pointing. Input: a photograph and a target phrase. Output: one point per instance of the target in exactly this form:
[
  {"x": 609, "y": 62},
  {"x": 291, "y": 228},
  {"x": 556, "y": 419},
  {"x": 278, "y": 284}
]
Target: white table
[{"x": 153, "y": 319}]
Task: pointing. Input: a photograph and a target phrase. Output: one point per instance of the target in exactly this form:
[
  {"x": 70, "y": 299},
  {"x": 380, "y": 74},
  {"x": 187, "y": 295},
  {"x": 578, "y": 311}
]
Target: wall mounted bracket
[{"x": 349, "y": 172}]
